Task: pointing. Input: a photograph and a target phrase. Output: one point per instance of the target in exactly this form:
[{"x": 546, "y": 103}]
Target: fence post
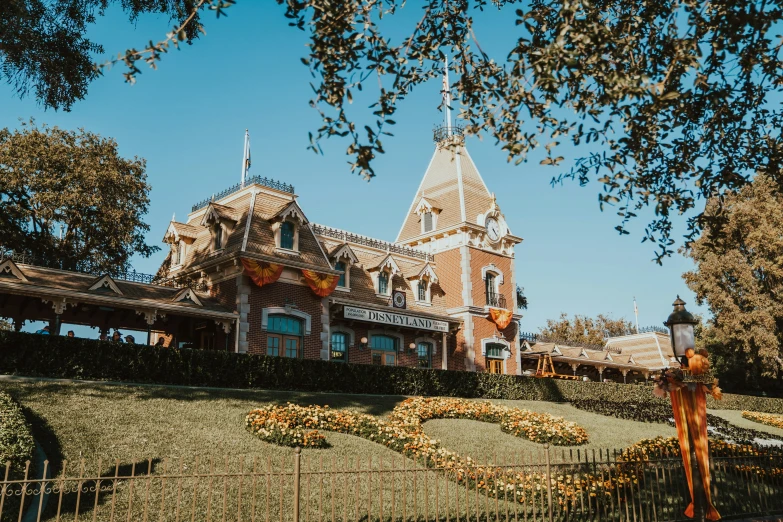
[
  {"x": 297, "y": 469},
  {"x": 549, "y": 482}
]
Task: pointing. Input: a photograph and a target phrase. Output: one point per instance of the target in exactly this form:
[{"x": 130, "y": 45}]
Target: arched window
[
  {"x": 425, "y": 355},
  {"x": 491, "y": 289},
  {"x": 383, "y": 283},
  {"x": 284, "y": 336},
  {"x": 384, "y": 350},
  {"x": 287, "y": 235},
  {"x": 340, "y": 265},
  {"x": 339, "y": 347},
  {"x": 427, "y": 221}
]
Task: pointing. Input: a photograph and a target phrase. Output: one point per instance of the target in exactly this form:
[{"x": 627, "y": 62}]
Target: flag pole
[
  {"x": 244, "y": 158},
  {"x": 447, "y": 94},
  {"x": 636, "y": 313}
]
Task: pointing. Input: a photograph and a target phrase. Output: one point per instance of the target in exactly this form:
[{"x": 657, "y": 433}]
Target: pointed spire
[
  {"x": 246, "y": 157},
  {"x": 173, "y": 216},
  {"x": 446, "y": 92}
]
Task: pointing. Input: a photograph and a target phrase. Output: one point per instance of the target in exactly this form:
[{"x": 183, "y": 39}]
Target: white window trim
[
  {"x": 376, "y": 282},
  {"x": 496, "y": 340},
  {"x": 430, "y": 340},
  {"x": 293, "y": 312},
  {"x": 428, "y": 292},
  {"x": 277, "y": 229},
  {"x": 348, "y": 265},
  {"x": 491, "y": 268}
]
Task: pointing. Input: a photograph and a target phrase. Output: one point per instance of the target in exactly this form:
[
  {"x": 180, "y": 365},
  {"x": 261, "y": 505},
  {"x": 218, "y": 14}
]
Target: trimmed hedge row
[
  {"x": 16, "y": 438},
  {"x": 73, "y": 358}
]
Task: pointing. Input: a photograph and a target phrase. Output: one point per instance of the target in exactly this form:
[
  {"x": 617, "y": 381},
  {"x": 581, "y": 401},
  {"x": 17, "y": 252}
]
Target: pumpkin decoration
[
  {"x": 689, "y": 353},
  {"x": 704, "y": 352},
  {"x": 698, "y": 364}
]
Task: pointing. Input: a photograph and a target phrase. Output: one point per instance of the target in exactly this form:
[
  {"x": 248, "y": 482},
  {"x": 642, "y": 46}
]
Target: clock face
[{"x": 493, "y": 229}]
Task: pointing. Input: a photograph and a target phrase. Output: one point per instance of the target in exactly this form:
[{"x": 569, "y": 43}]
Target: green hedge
[
  {"x": 63, "y": 357},
  {"x": 17, "y": 447}
]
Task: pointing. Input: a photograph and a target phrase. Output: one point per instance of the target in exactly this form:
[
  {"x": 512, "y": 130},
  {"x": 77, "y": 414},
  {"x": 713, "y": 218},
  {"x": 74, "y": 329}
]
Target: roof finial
[
  {"x": 173, "y": 216},
  {"x": 246, "y": 157}
]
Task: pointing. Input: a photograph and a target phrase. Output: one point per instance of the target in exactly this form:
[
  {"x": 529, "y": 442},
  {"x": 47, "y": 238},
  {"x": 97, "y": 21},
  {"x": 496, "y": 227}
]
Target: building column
[
  {"x": 444, "y": 348},
  {"x": 325, "y": 329},
  {"x": 58, "y": 306},
  {"x": 18, "y": 324},
  {"x": 243, "y": 307},
  {"x": 574, "y": 366},
  {"x": 601, "y": 373},
  {"x": 625, "y": 374},
  {"x": 467, "y": 300}
]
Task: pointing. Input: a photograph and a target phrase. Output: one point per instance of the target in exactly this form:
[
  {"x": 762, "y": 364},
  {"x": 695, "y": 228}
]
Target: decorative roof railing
[
  {"x": 132, "y": 276},
  {"x": 539, "y": 338},
  {"x": 443, "y": 133},
  {"x": 643, "y": 329},
  {"x": 358, "y": 239},
  {"x": 271, "y": 183}
]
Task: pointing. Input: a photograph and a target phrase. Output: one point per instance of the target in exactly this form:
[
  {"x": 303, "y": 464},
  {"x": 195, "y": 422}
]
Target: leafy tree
[
  {"x": 70, "y": 200},
  {"x": 674, "y": 100},
  {"x": 585, "y": 330},
  {"x": 5, "y": 325},
  {"x": 739, "y": 275},
  {"x": 521, "y": 298}
]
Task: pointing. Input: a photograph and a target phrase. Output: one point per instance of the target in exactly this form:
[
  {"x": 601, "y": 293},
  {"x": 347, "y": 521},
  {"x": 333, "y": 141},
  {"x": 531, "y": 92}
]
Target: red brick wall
[
  {"x": 278, "y": 295},
  {"x": 449, "y": 269},
  {"x": 484, "y": 328}
]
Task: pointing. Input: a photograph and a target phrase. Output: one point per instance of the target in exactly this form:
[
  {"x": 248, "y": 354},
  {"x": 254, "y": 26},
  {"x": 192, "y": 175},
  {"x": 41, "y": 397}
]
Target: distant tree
[
  {"x": 674, "y": 100},
  {"x": 5, "y": 325},
  {"x": 739, "y": 275},
  {"x": 583, "y": 329},
  {"x": 73, "y": 184},
  {"x": 521, "y": 298}
]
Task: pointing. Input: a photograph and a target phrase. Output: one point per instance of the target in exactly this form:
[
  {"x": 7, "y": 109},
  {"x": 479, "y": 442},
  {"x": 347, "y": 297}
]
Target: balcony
[{"x": 496, "y": 300}]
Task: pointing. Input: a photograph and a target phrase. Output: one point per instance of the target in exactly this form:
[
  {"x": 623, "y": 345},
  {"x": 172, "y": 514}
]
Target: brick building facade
[{"x": 440, "y": 296}]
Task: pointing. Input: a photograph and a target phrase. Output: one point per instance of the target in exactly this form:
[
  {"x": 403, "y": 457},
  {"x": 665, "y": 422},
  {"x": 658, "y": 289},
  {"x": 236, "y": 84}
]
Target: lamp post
[{"x": 680, "y": 324}]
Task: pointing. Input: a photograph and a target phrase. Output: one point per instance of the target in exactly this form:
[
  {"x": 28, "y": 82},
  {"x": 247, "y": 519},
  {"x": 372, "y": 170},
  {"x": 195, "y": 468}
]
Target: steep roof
[
  {"x": 651, "y": 349},
  {"x": 453, "y": 181}
]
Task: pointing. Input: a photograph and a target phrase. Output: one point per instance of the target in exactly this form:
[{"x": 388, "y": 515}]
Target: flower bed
[{"x": 775, "y": 421}]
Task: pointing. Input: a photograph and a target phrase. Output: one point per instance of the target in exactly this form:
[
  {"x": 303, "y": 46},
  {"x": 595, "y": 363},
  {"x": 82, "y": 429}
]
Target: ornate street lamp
[
  {"x": 680, "y": 324},
  {"x": 687, "y": 388}
]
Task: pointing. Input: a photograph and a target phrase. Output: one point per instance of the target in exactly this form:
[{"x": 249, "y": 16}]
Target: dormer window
[
  {"x": 427, "y": 221},
  {"x": 344, "y": 259},
  {"x": 287, "y": 232},
  {"x": 341, "y": 267},
  {"x": 181, "y": 248},
  {"x": 383, "y": 283},
  {"x": 218, "y": 243},
  {"x": 422, "y": 291}
]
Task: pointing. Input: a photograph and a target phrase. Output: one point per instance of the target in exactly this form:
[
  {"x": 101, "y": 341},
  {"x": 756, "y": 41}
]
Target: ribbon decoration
[
  {"x": 690, "y": 413},
  {"x": 502, "y": 318},
  {"x": 261, "y": 272},
  {"x": 321, "y": 284}
]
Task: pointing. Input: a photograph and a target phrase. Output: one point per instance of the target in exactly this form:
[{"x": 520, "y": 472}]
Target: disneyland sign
[{"x": 407, "y": 321}]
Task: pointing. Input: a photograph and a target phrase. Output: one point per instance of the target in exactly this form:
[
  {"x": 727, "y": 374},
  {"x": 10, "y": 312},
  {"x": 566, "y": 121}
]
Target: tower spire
[
  {"x": 246, "y": 157},
  {"x": 446, "y": 95}
]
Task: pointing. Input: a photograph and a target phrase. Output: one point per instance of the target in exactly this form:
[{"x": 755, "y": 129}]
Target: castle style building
[{"x": 440, "y": 296}]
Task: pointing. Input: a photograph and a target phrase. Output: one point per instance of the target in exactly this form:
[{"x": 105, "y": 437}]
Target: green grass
[{"x": 735, "y": 417}]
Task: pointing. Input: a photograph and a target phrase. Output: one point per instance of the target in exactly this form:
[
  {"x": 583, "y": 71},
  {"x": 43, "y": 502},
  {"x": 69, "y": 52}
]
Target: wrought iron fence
[
  {"x": 24, "y": 258},
  {"x": 266, "y": 182},
  {"x": 358, "y": 239},
  {"x": 572, "y": 485}
]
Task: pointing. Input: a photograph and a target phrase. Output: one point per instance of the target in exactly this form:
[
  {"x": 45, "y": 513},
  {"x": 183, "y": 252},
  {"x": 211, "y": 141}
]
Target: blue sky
[{"x": 188, "y": 120}]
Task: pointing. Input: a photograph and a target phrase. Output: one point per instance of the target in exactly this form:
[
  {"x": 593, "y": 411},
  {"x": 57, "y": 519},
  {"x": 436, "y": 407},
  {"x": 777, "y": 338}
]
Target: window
[
  {"x": 422, "y": 291},
  {"x": 180, "y": 253},
  {"x": 495, "y": 357},
  {"x": 284, "y": 337},
  {"x": 340, "y": 266},
  {"x": 489, "y": 285},
  {"x": 218, "y": 237},
  {"x": 383, "y": 283},
  {"x": 427, "y": 221},
  {"x": 384, "y": 350},
  {"x": 287, "y": 235},
  {"x": 425, "y": 355},
  {"x": 339, "y": 347}
]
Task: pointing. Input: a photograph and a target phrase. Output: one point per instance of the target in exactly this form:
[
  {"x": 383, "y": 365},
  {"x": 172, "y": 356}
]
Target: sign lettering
[{"x": 409, "y": 321}]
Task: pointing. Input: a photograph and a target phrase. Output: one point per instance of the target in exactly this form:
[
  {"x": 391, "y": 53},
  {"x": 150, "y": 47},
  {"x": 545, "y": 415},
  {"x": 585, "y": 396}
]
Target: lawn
[{"x": 97, "y": 421}]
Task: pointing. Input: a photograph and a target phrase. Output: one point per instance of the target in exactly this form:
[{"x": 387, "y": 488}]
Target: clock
[
  {"x": 493, "y": 229},
  {"x": 398, "y": 299}
]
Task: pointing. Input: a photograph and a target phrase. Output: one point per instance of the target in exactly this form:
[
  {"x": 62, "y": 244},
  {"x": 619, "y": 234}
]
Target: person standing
[
  {"x": 116, "y": 336},
  {"x": 71, "y": 334},
  {"x": 44, "y": 330}
]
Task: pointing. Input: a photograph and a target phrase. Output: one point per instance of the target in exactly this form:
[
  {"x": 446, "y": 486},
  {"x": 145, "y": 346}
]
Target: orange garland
[
  {"x": 321, "y": 284},
  {"x": 261, "y": 272},
  {"x": 502, "y": 318}
]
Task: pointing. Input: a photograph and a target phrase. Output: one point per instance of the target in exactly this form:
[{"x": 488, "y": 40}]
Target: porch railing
[{"x": 572, "y": 485}]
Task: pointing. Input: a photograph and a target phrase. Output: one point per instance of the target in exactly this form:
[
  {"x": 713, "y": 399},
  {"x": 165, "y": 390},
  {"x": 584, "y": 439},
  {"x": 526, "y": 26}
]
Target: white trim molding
[
  {"x": 430, "y": 340},
  {"x": 344, "y": 330},
  {"x": 279, "y": 310},
  {"x": 495, "y": 270},
  {"x": 496, "y": 340}
]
